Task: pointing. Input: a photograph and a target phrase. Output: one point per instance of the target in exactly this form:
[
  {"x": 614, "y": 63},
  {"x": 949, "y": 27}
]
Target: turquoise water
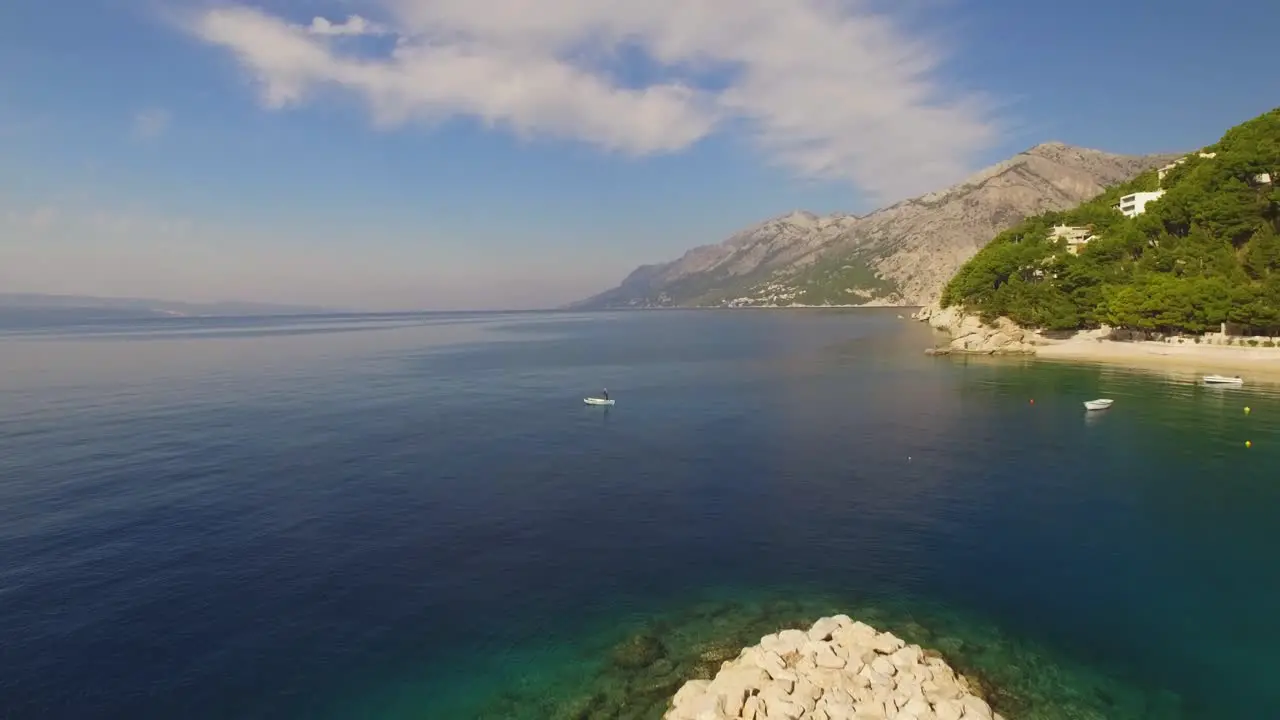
[{"x": 416, "y": 517}]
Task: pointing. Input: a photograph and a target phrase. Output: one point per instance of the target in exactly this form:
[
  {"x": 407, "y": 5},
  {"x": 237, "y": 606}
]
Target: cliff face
[{"x": 899, "y": 255}]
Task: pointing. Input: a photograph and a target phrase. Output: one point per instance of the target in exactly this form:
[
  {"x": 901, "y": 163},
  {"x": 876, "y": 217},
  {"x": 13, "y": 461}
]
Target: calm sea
[{"x": 407, "y": 516}]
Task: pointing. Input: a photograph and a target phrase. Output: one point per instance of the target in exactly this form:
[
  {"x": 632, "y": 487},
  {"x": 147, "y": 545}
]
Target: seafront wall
[{"x": 837, "y": 670}]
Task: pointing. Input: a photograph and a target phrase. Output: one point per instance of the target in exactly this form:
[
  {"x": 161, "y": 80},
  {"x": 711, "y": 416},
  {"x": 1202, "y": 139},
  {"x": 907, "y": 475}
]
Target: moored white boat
[
  {"x": 1099, "y": 404},
  {"x": 1223, "y": 380}
]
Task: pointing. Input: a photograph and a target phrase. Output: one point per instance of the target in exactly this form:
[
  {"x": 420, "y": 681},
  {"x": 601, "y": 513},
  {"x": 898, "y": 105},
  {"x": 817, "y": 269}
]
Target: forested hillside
[{"x": 1204, "y": 253}]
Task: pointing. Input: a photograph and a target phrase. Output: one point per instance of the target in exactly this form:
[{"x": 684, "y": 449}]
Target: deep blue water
[{"x": 382, "y": 516}]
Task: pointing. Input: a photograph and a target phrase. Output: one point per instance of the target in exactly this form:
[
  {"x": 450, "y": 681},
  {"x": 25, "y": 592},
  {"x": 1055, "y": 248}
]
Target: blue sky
[{"x": 504, "y": 153}]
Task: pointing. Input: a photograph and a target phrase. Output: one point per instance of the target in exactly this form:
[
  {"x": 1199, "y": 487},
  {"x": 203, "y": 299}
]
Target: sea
[{"x": 416, "y": 515}]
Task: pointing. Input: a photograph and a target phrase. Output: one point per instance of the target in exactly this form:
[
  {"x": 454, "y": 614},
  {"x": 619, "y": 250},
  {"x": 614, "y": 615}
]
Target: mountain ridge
[{"x": 901, "y": 254}]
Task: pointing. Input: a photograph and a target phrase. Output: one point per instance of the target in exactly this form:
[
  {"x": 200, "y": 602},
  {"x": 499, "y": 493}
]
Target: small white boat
[
  {"x": 1223, "y": 380},
  {"x": 1099, "y": 404},
  {"x": 597, "y": 401}
]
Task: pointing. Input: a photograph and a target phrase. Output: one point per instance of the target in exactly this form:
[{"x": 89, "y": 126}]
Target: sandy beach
[{"x": 1247, "y": 362}]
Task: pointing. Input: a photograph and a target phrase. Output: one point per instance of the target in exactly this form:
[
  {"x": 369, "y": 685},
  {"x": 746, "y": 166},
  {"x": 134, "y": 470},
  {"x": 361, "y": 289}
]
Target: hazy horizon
[{"x": 325, "y": 153}]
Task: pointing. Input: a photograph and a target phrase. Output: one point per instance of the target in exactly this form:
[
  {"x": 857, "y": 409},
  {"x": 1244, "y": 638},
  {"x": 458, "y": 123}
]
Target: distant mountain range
[
  {"x": 141, "y": 307},
  {"x": 899, "y": 255}
]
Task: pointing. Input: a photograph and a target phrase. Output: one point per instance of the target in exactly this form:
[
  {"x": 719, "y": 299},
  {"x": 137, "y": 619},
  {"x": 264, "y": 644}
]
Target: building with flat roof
[{"x": 1135, "y": 204}]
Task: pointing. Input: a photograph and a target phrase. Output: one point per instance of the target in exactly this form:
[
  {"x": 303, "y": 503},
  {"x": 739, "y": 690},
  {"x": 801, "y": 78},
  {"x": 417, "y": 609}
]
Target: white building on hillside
[
  {"x": 1165, "y": 170},
  {"x": 1075, "y": 235},
  {"x": 1135, "y": 204}
]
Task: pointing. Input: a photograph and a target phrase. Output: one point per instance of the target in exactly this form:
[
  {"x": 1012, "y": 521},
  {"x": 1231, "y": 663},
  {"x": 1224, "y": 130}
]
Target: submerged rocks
[
  {"x": 638, "y": 651},
  {"x": 838, "y": 670}
]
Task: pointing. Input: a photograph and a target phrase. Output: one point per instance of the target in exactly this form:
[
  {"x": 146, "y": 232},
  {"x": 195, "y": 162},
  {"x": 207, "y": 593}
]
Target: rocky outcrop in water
[
  {"x": 633, "y": 670},
  {"x": 970, "y": 335},
  {"x": 838, "y": 670}
]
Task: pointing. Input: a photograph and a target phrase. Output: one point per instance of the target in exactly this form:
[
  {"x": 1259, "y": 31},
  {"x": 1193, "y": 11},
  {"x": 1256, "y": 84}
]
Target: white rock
[
  {"x": 884, "y": 667},
  {"x": 772, "y": 643},
  {"x": 690, "y": 692},
  {"x": 837, "y": 710},
  {"x": 941, "y": 688},
  {"x": 948, "y": 709},
  {"x": 875, "y": 679},
  {"x": 735, "y": 684},
  {"x": 976, "y": 707},
  {"x": 772, "y": 664},
  {"x": 825, "y": 657},
  {"x": 907, "y": 656},
  {"x": 855, "y": 635},
  {"x": 887, "y": 643},
  {"x": 854, "y": 678},
  {"x": 711, "y": 708},
  {"x": 778, "y": 704},
  {"x": 792, "y": 640},
  {"x": 824, "y": 628},
  {"x": 918, "y": 707}
]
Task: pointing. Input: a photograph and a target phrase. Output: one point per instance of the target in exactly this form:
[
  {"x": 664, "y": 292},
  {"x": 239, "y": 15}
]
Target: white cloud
[
  {"x": 824, "y": 87},
  {"x": 151, "y": 123},
  {"x": 354, "y": 25}
]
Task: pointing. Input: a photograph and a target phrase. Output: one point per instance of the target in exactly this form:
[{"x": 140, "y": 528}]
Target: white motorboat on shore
[{"x": 1223, "y": 380}]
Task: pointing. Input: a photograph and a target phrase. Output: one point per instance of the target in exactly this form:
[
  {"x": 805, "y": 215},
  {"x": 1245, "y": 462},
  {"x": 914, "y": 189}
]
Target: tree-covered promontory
[{"x": 1205, "y": 252}]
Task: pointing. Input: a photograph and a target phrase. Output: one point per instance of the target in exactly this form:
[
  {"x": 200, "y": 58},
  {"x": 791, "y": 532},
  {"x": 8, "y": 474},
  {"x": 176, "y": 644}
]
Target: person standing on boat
[{"x": 605, "y": 392}]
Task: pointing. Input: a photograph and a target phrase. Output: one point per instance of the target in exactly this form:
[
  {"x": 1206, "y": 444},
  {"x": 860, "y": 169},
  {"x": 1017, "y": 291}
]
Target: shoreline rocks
[
  {"x": 972, "y": 336},
  {"x": 837, "y": 670}
]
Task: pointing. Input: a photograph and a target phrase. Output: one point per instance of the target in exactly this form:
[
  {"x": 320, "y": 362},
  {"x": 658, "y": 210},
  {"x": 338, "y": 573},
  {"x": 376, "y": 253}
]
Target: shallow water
[{"x": 416, "y": 517}]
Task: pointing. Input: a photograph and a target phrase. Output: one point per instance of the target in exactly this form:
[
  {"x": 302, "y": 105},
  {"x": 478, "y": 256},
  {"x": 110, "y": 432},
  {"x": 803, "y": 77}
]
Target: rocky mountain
[{"x": 899, "y": 255}]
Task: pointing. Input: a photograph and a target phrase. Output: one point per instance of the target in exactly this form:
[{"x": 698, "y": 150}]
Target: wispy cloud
[
  {"x": 827, "y": 88},
  {"x": 151, "y": 123},
  {"x": 354, "y": 25}
]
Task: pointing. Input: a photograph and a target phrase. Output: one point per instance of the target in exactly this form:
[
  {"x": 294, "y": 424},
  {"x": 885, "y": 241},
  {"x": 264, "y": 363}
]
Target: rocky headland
[
  {"x": 838, "y": 670},
  {"x": 969, "y": 334}
]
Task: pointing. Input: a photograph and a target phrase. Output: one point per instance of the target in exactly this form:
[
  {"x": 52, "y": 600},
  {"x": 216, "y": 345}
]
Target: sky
[{"x": 494, "y": 154}]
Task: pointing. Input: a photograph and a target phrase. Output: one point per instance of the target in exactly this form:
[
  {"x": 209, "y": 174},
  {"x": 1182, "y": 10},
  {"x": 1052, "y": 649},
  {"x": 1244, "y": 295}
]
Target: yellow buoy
[
  {"x": 1246, "y": 409},
  {"x": 1248, "y": 444}
]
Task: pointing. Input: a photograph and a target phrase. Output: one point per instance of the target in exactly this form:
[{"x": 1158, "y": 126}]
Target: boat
[
  {"x": 597, "y": 401},
  {"x": 1222, "y": 380},
  {"x": 1099, "y": 404}
]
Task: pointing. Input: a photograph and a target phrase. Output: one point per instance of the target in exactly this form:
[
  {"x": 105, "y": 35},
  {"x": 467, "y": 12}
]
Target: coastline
[
  {"x": 969, "y": 335},
  {"x": 1195, "y": 360}
]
